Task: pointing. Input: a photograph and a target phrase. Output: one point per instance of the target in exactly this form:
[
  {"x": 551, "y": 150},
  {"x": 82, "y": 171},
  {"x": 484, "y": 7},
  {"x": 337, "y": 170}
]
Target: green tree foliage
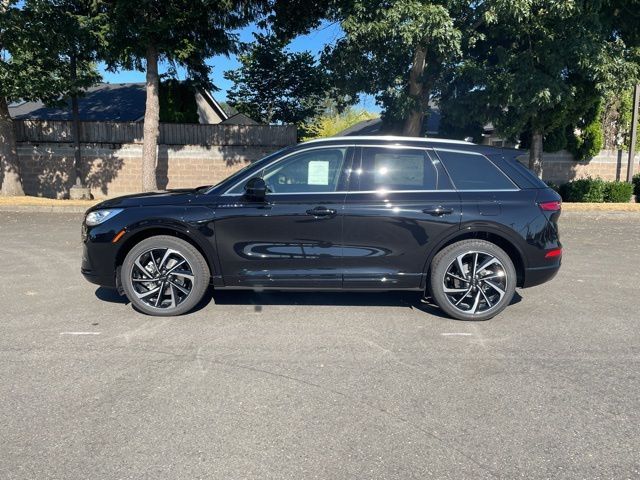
[
  {"x": 398, "y": 50},
  {"x": 274, "y": 85},
  {"x": 48, "y": 52},
  {"x": 178, "y": 102},
  {"x": 180, "y": 32},
  {"x": 535, "y": 67},
  {"x": 330, "y": 123}
]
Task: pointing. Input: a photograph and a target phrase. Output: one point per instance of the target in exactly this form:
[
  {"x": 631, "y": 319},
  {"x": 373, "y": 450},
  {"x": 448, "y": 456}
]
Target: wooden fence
[{"x": 44, "y": 131}]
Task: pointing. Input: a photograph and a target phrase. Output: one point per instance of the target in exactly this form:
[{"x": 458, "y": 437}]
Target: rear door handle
[
  {"x": 321, "y": 212},
  {"x": 438, "y": 211}
]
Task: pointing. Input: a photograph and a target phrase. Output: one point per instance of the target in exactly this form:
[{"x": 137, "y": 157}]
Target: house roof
[
  {"x": 239, "y": 119},
  {"x": 120, "y": 102},
  {"x": 116, "y": 102},
  {"x": 374, "y": 126},
  {"x": 220, "y": 111}
]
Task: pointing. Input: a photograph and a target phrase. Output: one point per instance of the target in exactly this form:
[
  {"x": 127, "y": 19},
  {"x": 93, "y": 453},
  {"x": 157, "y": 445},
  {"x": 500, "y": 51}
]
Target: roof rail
[{"x": 391, "y": 138}]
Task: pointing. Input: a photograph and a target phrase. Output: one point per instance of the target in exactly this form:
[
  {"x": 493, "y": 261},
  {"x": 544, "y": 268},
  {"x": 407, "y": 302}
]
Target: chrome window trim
[
  {"x": 436, "y": 149},
  {"x": 318, "y": 147},
  {"x": 343, "y": 192}
]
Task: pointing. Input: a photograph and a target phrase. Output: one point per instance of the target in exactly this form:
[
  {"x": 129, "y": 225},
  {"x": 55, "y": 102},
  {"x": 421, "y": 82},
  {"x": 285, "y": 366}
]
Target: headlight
[{"x": 99, "y": 216}]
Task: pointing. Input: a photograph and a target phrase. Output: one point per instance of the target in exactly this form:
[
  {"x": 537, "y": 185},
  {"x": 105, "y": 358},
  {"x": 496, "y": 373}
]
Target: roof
[
  {"x": 115, "y": 102},
  {"x": 220, "y": 111},
  {"x": 120, "y": 102},
  {"x": 239, "y": 119}
]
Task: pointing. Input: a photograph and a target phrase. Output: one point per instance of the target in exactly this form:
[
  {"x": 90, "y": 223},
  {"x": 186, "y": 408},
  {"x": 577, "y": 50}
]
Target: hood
[{"x": 166, "y": 197}]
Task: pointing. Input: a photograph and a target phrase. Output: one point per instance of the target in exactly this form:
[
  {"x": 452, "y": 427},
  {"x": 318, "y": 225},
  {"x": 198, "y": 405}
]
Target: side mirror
[{"x": 256, "y": 189}]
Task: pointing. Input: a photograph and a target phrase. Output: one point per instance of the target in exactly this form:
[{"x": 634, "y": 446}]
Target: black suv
[{"x": 465, "y": 224}]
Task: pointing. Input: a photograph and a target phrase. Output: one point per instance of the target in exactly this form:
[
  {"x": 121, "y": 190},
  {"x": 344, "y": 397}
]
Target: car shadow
[
  {"x": 259, "y": 299},
  {"x": 111, "y": 295}
]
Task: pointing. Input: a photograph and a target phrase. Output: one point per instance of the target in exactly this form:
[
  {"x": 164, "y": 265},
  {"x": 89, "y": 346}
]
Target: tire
[
  {"x": 467, "y": 296},
  {"x": 164, "y": 276}
]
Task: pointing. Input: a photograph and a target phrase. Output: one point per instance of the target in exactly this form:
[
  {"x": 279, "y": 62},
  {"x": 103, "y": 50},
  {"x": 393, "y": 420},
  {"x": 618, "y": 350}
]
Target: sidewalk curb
[{"x": 43, "y": 209}]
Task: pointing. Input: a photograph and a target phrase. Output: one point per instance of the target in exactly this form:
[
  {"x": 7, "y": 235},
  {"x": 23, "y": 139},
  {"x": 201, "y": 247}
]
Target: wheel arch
[
  {"x": 490, "y": 234},
  {"x": 153, "y": 231}
]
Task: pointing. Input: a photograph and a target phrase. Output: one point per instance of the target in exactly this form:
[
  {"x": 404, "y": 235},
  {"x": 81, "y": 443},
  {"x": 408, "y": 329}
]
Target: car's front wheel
[
  {"x": 472, "y": 280},
  {"x": 164, "y": 276}
]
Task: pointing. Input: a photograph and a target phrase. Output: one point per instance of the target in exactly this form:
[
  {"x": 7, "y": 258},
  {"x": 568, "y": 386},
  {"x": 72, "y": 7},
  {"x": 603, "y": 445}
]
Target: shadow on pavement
[{"x": 258, "y": 299}]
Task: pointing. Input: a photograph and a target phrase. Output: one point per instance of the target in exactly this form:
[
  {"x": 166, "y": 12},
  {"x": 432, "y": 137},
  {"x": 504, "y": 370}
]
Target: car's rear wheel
[
  {"x": 472, "y": 280},
  {"x": 164, "y": 276}
]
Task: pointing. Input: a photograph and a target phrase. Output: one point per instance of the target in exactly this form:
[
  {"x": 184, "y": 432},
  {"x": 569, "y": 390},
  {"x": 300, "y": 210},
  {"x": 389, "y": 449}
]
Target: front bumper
[{"x": 98, "y": 263}]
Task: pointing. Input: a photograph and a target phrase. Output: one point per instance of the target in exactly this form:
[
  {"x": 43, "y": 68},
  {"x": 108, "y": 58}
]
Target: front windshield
[{"x": 237, "y": 175}]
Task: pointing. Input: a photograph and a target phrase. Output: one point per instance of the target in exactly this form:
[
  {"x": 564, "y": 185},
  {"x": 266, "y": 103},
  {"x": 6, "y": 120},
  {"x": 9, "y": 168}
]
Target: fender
[
  {"x": 467, "y": 230},
  {"x": 145, "y": 228}
]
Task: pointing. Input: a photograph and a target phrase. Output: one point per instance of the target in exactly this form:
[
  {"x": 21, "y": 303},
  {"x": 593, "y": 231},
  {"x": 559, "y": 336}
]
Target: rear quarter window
[{"x": 473, "y": 171}]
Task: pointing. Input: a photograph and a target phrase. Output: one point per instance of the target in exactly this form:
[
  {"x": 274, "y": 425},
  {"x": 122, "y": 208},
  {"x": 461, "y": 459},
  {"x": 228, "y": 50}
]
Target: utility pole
[{"x": 634, "y": 132}]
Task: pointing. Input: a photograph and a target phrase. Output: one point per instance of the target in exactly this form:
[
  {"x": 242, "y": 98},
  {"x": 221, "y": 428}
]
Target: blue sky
[{"x": 314, "y": 42}]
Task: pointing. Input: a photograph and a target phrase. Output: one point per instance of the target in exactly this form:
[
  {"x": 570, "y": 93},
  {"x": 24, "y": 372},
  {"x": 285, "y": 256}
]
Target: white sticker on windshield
[{"x": 318, "y": 173}]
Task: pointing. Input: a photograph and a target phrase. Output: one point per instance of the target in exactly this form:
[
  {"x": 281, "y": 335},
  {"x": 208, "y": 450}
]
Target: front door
[
  {"x": 399, "y": 205},
  {"x": 293, "y": 239}
]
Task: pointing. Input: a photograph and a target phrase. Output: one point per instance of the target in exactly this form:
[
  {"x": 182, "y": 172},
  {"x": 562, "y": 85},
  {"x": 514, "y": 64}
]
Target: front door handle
[
  {"x": 321, "y": 212},
  {"x": 438, "y": 211}
]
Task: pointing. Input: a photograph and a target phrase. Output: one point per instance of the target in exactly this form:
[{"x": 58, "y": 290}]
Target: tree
[
  {"x": 331, "y": 123},
  {"x": 46, "y": 56},
  {"x": 536, "y": 67},
  {"x": 181, "y": 32},
  {"x": 399, "y": 50},
  {"x": 274, "y": 85}
]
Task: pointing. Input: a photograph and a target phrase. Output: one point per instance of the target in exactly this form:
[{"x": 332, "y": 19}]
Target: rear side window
[
  {"x": 396, "y": 169},
  {"x": 472, "y": 171}
]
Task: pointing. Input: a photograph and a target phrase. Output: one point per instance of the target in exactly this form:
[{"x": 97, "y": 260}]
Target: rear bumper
[{"x": 538, "y": 275}]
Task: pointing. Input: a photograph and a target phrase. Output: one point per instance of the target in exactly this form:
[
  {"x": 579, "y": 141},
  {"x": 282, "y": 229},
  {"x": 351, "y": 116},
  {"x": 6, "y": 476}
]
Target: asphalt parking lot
[{"x": 326, "y": 386}]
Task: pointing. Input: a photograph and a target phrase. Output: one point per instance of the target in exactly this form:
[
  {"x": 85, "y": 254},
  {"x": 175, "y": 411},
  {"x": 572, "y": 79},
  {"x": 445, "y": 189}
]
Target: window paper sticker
[{"x": 318, "y": 173}]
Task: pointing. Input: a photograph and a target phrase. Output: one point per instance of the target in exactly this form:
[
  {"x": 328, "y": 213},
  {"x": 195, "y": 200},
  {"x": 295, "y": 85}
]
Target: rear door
[
  {"x": 400, "y": 204},
  {"x": 486, "y": 193}
]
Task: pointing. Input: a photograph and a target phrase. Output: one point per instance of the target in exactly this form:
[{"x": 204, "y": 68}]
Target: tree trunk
[
  {"x": 535, "y": 153},
  {"x": 75, "y": 123},
  {"x": 151, "y": 123},
  {"x": 10, "y": 180},
  {"x": 413, "y": 122}
]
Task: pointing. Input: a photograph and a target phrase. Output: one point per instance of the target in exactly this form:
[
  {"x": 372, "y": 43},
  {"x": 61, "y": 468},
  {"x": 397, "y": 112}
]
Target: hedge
[
  {"x": 636, "y": 186},
  {"x": 596, "y": 190}
]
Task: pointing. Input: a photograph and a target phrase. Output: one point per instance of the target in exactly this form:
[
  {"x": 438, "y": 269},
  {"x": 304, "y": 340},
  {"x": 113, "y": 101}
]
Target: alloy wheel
[
  {"x": 162, "y": 278},
  {"x": 475, "y": 282}
]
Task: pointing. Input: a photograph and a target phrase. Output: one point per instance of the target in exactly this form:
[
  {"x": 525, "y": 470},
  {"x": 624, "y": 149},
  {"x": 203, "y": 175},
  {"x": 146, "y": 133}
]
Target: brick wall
[
  {"x": 560, "y": 167},
  {"x": 115, "y": 169}
]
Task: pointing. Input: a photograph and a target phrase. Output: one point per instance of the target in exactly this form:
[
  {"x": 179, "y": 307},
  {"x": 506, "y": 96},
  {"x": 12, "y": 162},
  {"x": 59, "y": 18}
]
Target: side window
[
  {"x": 472, "y": 171},
  {"x": 396, "y": 169},
  {"x": 313, "y": 171}
]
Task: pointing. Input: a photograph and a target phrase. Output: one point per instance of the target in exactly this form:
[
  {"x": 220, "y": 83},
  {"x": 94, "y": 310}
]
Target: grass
[{"x": 44, "y": 202}]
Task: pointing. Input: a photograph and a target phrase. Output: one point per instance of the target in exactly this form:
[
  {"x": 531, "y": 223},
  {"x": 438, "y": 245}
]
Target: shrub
[
  {"x": 583, "y": 190},
  {"x": 553, "y": 186},
  {"x": 617, "y": 192},
  {"x": 636, "y": 186}
]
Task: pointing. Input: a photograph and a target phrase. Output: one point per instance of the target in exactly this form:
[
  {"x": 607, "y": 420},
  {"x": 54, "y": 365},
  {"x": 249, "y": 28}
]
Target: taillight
[
  {"x": 556, "y": 252},
  {"x": 551, "y": 206}
]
